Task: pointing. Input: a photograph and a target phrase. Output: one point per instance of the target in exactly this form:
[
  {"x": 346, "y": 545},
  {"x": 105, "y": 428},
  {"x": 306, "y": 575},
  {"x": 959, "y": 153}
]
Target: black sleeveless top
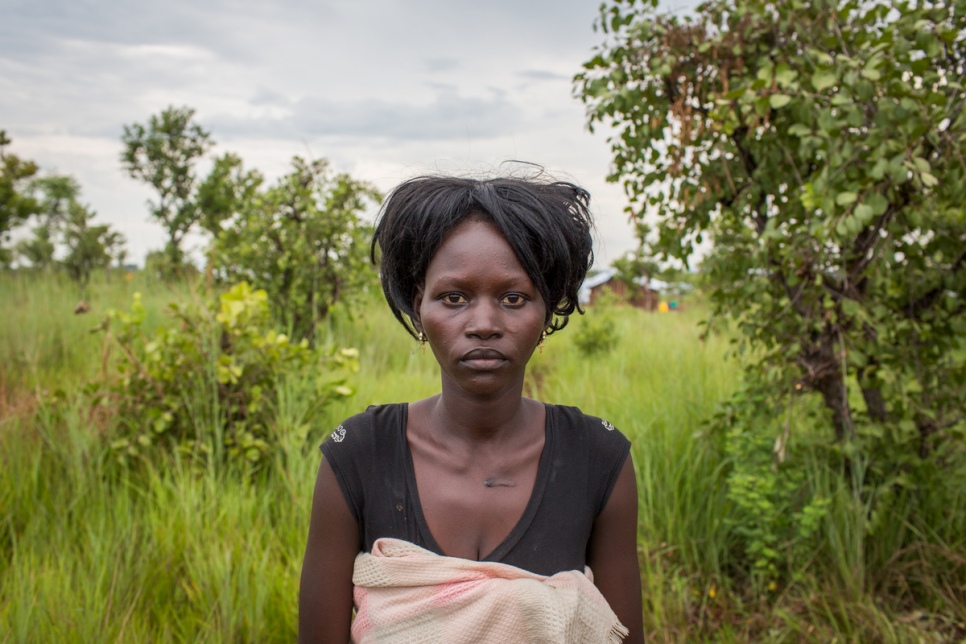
[{"x": 581, "y": 458}]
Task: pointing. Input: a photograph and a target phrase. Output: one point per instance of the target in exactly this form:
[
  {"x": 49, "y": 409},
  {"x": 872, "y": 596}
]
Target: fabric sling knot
[{"x": 404, "y": 593}]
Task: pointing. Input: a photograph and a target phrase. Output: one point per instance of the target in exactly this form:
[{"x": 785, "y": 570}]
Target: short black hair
[{"x": 547, "y": 224}]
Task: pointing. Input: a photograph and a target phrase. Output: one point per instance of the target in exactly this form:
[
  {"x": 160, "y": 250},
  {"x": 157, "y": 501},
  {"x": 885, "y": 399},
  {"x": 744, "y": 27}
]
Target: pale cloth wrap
[{"x": 404, "y": 593}]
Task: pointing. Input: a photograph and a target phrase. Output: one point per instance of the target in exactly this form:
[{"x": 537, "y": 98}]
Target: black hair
[{"x": 547, "y": 224}]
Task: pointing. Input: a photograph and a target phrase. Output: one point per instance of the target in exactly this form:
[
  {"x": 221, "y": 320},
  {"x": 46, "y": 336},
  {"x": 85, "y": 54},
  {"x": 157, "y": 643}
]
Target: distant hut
[
  {"x": 645, "y": 295},
  {"x": 640, "y": 293}
]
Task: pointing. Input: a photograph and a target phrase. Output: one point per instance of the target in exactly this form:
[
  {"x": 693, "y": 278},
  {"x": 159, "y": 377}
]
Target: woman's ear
[{"x": 417, "y": 302}]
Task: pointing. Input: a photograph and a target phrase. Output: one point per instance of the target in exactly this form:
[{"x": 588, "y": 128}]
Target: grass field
[{"x": 175, "y": 552}]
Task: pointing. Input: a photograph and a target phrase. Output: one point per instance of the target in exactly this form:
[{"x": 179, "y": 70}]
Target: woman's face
[{"x": 480, "y": 312}]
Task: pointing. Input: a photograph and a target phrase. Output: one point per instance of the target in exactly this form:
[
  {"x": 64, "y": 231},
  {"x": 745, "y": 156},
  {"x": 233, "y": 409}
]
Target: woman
[{"x": 477, "y": 482}]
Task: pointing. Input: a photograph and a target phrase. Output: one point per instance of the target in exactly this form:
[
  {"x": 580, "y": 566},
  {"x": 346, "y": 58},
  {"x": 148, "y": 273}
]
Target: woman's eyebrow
[
  {"x": 455, "y": 281},
  {"x": 450, "y": 281}
]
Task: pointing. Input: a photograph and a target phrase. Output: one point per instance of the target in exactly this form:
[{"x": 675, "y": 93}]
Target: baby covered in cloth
[{"x": 404, "y": 593}]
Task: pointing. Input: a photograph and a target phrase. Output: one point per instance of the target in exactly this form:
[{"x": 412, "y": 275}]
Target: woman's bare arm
[
  {"x": 612, "y": 553},
  {"x": 325, "y": 594}
]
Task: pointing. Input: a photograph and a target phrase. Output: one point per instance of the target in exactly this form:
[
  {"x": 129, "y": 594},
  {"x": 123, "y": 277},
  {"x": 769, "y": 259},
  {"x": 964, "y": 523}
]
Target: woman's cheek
[{"x": 443, "y": 340}]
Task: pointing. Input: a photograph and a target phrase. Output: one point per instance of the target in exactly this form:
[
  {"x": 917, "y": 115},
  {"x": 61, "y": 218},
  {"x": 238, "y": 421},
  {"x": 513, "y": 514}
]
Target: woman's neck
[{"x": 498, "y": 419}]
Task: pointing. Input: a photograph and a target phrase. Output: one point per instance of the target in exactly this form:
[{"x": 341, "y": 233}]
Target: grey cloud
[
  {"x": 383, "y": 85},
  {"x": 542, "y": 75},
  {"x": 441, "y": 64},
  {"x": 91, "y": 89},
  {"x": 267, "y": 97},
  {"x": 442, "y": 87},
  {"x": 232, "y": 28},
  {"x": 448, "y": 116}
]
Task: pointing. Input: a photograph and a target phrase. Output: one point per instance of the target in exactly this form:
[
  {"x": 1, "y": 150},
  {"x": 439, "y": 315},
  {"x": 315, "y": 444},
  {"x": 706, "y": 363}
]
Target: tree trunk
[
  {"x": 927, "y": 428},
  {"x": 835, "y": 395},
  {"x": 823, "y": 372},
  {"x": 875, "y": 404}
]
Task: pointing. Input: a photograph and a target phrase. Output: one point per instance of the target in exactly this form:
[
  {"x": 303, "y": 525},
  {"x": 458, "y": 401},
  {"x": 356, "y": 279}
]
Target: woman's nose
[{"x": 485, "y": 320}]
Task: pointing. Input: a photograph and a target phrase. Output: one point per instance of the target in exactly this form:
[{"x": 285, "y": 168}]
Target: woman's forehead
[{"x": 476, "y": 243}]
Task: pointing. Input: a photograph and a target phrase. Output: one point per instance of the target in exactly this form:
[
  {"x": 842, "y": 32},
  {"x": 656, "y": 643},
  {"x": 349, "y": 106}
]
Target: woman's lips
[{"x": 484, "y": 358}]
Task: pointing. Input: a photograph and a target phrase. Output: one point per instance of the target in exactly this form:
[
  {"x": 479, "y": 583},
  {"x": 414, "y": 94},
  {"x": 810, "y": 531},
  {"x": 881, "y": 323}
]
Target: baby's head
[{"x": 547, "y": 224}]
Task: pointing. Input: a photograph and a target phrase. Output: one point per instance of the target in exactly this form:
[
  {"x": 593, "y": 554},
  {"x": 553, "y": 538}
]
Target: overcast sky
[{"x": 385, "y": 89}]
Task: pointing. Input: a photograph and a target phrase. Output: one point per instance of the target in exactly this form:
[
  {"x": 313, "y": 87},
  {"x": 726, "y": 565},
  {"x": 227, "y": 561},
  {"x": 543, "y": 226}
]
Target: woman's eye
[
  {"x": 513, "y": 299},
  {"x": 454, "y": 298}
]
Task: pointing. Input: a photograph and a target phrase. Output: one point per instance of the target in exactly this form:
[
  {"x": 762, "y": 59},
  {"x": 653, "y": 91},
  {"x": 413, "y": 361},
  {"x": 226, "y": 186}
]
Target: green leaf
[
  {"x": 878, "y": 203},
  {"x": 845, "y": 198},
  {"x": 821, "y": 56},
  {"x": 851, "y": 308},
  {"x": 778, "y": 101},
  {"x": 764, "y": 73},
  {"x": 785, "y": 75},
  {"x": 879, "y": 169},
  {"x": 823, "y": 79},
  {"x": 762, "y": 105},
  {"x": 920, "y": 164},
  {"x": 863, "y": 214}
]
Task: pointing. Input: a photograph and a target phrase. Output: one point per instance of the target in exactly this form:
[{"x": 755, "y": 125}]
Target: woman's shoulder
[
  {"x": 572, "y": 419},
  {"x": 360, "y": 430},
  {"x": 363, "y": 444},
  {"x": 596, "y": 438}
]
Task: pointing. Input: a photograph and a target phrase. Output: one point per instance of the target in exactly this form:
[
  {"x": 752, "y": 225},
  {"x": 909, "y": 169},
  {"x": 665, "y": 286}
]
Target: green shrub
[
  {"x": 775, "y": 516},
  {"x": 596, "y": 332},
  {"x": 209, "y": 386}
]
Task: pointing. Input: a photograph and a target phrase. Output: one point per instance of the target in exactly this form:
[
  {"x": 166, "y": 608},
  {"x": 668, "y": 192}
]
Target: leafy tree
[
  {"x": 54, "y": 196},
  {"x": 302, "y": 240},
  {"x": 39, "y": 249},
  {"x": 163, "y": 154},
  {"x": 636, "y": 264},
  {"x": 62, "y": 218},
  {"x": 88, "y": 247},
  {"x": 16, "y": 202},
  {"x": 820, "y": 146},
  {"x": 226, "y": 192}
]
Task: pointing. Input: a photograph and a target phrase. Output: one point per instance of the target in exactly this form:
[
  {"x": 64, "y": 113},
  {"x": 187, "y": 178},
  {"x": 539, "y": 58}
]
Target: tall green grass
[
  {"x": 43, "y": 343},
  {"x": 179, "y": 551}
]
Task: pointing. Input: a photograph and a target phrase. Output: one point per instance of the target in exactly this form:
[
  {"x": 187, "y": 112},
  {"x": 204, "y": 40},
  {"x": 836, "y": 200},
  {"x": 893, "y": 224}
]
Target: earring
[
  {"x": 422, "y": 342},
  {"x": 543, "y": 336}
]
